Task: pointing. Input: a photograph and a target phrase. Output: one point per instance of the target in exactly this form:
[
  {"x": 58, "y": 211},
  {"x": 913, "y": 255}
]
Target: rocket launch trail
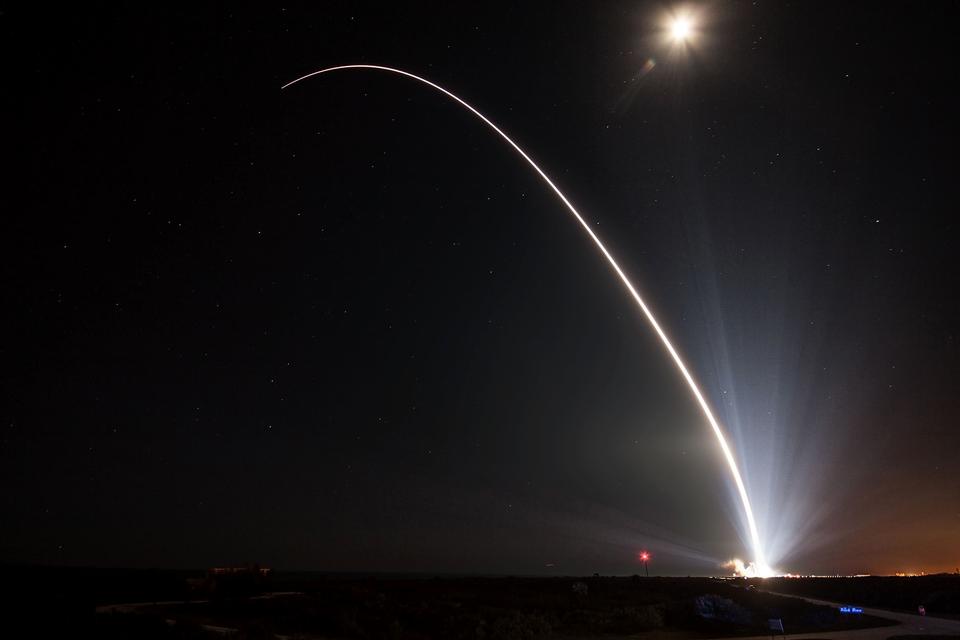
[{"x": 759, "y": 559}]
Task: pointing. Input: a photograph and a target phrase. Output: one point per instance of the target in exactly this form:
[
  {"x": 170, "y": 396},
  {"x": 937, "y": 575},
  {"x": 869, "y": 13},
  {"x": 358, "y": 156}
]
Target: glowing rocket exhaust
[{"x": 759, "y": 562}]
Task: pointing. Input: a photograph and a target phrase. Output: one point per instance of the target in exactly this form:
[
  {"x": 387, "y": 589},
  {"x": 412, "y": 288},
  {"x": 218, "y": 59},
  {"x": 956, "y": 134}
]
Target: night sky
[{"x": 343, "y": 326}]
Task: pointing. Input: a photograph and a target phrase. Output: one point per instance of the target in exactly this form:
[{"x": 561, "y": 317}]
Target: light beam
[{"x": 759, "y": 558}]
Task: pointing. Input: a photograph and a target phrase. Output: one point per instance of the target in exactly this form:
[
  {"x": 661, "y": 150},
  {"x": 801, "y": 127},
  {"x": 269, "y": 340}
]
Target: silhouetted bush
[
  {"x": 123, "y": 626},
  {"x": 714, "y": 607},
  {"x": 636, "y": 619},
  {"x": 521, "y": 626}
]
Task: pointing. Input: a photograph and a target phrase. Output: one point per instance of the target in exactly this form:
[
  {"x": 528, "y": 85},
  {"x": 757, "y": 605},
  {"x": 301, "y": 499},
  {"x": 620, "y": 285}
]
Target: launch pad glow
[{"x": 759, "y": 565}]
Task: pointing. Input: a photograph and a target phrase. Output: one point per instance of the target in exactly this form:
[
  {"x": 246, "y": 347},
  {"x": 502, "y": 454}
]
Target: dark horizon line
[{"x": 358, "y": 574}]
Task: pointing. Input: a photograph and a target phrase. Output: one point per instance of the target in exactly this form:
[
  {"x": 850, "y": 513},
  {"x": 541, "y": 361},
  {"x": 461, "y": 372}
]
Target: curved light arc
[{"x": 759, "y": 559}]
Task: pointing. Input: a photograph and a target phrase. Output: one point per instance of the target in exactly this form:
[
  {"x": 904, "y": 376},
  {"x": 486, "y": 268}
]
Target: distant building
[
  {"x": 239, "y": 571},
  {"x": 246, "y": 580}
]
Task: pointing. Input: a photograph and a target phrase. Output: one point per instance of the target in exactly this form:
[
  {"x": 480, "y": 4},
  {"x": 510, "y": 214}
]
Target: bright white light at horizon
[
  {"x": 681, "y": 29},
  {"x": 752, "y": 570}
]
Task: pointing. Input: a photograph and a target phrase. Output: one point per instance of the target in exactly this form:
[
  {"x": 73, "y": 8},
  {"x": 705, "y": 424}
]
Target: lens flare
[{"x": 759, "y": 562}]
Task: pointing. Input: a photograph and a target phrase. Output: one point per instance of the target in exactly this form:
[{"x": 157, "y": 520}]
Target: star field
[{"x": 343, "y": 327}]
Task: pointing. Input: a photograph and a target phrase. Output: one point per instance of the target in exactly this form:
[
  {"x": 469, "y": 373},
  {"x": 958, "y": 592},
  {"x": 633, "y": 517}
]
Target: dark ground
[
  {"x": 519, "y": 608},
  {"x": 350, "y": 606},
  {"x": 939, "y": 594}
]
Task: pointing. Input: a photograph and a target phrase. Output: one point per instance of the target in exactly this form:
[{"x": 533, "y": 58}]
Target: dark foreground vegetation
[
  {"x": 517, "y": 608},
  {"x": 62, "y": 603},
  {"x": 938, "y": 594}
]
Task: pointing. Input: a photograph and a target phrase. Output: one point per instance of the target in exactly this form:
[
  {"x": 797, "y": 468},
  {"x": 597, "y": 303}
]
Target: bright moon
[{"x": 680, "y": 29}]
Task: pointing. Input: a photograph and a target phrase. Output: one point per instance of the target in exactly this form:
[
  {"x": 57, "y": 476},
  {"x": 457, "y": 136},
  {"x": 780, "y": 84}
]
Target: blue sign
[{"x": 851, "y": 610}]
